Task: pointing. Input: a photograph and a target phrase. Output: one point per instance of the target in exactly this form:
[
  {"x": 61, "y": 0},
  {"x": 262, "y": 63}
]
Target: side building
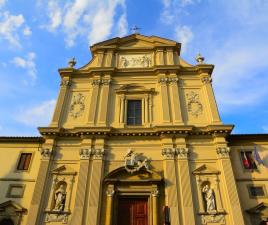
[{"x": 135, "y": 139}]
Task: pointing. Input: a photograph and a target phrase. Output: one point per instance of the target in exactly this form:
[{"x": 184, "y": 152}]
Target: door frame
[{"x": 144, "y": 197}]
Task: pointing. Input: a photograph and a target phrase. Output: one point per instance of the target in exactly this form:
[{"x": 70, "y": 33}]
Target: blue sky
[{"x": 39, "y": 36}]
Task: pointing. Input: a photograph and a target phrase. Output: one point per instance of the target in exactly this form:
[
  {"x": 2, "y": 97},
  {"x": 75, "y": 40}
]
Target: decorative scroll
[
  {"x": 194, "y": 105},
  {"x": 78, "y": 106},
  {"x": 134, "y": 161},
  {"x": 135, "y": 61}
]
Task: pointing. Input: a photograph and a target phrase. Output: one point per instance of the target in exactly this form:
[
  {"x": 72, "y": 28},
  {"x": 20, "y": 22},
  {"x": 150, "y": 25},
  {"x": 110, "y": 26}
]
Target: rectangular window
[
  {"x": 248, "y": 160},
  {"x": 134, "y": 112},
  {"x": 24, "y": 162},
  {"x": 256, "y": 191}
]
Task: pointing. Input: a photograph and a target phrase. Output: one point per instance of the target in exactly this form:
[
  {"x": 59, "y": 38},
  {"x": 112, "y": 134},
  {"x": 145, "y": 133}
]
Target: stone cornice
[
  {"x": 216, "y": 130},
  {"x": 22, "y": 139}
]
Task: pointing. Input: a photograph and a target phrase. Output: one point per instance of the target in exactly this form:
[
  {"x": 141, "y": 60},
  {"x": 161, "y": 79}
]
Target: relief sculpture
[{"x": 135, "y": 61}]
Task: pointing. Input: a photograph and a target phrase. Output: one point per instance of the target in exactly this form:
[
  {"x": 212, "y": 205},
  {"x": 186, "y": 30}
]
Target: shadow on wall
[{"x": 15, "y": 184}]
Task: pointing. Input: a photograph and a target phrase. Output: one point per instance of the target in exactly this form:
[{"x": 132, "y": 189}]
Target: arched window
[{"x": 6, "y": 222}]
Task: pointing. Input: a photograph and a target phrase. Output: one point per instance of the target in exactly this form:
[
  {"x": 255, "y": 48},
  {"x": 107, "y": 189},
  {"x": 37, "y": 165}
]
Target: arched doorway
[{"x": 6, "y": 222}]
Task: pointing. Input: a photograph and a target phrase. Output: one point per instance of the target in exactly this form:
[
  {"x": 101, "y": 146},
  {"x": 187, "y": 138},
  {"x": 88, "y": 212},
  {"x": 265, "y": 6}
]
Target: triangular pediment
[
  {"x": 261, "y": 208},
  {"x": 135, "y": 41},
  {"x": 11, "y": 205},
  {"x": 64, "y": 170},
  {"x": 205, "y": 169}
]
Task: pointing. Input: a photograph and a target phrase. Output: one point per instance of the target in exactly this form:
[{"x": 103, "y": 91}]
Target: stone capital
[
  {"x": 155, "y": 193},
  {"x": 65, "y": 83},
  {"x": 206, "y": 80},
  {"x": 223, "y": 152},
  {"x": 110, "y": 192},
  {"x": 182, "y": 153},
  {"x": 98, "y": 153},
  {"x": 169, "y": 153},
  {"x": 85, "y": 153},
  {"x": 46, "y": 153},
  {"x": 163, "y": 81}
]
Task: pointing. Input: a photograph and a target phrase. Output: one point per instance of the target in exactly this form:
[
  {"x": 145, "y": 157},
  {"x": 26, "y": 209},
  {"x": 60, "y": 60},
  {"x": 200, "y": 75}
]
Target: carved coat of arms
[{"x": 135, "y": 161}]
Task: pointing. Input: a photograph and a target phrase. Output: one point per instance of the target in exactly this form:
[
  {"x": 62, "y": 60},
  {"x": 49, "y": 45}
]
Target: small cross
[{"x": 135, "y": 29}]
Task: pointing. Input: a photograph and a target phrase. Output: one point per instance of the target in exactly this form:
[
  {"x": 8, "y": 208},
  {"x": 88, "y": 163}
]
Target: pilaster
[
  {"x": 170, "y": 57},
  {"x": 170, "y": 177},
  {"x": 37, "y": 203},
  {"x": 184, "y": 178},
  {"x": 95, "y": 186},
  {"x": 212, "y": 105},
  {"x": 94, "y": 100},
  {"x": 165, "y": 100},
  {"x": 224, "y": 161},
  {"x": 160, "y": 57},
  {"x": 60, "y": 105},
  {"x": 176, "y": 106},
  {"x": 79, "y": 208},
  {"x": 104, "y": 97}
]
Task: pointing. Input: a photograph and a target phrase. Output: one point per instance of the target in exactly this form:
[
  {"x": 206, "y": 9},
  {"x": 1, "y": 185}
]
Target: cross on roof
[{"x": 135, "y": 29}]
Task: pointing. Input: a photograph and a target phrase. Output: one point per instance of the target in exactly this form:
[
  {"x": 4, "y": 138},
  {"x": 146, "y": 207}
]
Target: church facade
[{"x": 135, "y": 139}]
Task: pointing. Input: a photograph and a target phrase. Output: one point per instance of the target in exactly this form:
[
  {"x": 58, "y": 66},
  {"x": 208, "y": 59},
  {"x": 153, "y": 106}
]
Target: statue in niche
[
  {"x": 60, "y": 197},
  {"x": 209, "y": 199}
]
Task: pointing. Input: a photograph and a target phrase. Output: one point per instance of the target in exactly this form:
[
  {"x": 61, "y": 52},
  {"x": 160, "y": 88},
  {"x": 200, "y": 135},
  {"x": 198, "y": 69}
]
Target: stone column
[
  {"x": 184, "y": 176},
  {"x": 212, "y": 105},
  {"x": 171, "y": 199},
  {"x": 165, "y": 101},
  {"x": 109, "y": 205},
  {"x": 155, "y": 195},
  {"x": 79, "y": 205},
  {"x": 95, "y": 188},
  {"x": 177, "y": 116},
  {"x": 59, "y": 109},
  {"x": 235, "y": 211},
  {"x": 94, "y": 101},
  {"x": 37, "y": 204},
  {"x": 104, "y": 97}
]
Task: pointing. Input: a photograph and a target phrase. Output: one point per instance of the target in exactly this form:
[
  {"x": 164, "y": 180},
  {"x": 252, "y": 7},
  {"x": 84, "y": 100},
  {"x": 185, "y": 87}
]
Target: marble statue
[
  {"x": 60, "y": 196},
  {"x": 209, "y": 199}
]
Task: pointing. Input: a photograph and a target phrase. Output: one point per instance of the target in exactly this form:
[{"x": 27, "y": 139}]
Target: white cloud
[
  {"x": 91, "y": 18},
  {"x": 27, "y": 31},
  {"x": 238, "y": 76},
  {"x": 9, "y": 26},
  {"x": 38, "y": 115},
  {"x": 122, "y": 25},
  {"x": 184, "y": 35},
  {"x": 2, "y": 3},
  {"x": 12, "y": 27},
  {"x": 27, "y": 63},
  {"x": 55, "y": 15}
]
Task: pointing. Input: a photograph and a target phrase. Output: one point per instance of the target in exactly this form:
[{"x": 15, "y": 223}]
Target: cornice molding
[{"x": 214, "y": 130}]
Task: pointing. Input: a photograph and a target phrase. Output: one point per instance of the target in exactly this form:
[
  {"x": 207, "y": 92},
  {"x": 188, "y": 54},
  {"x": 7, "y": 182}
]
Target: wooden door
[{"x": 132, "y": 211}]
